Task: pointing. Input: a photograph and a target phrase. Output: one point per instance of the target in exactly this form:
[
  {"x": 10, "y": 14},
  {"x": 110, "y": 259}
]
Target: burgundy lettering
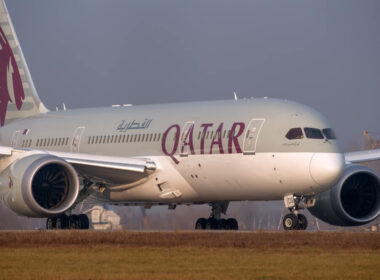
[
  {"x": 203, "y": 136},
  {"x": 233, "y": 137},
  {"x": 218, "y": 136},
  {"x": 188, "y": 140},
  {"x": 176, "y": 141}
]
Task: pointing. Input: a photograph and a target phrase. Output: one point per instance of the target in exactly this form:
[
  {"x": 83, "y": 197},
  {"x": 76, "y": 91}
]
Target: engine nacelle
[
  {"x": 354, "y": 201},
  {"x": 39, "y": 185}
]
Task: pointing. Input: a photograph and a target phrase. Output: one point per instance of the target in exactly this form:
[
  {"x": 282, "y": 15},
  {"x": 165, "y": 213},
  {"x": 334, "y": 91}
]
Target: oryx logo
[{"x": 11, "y": 89}]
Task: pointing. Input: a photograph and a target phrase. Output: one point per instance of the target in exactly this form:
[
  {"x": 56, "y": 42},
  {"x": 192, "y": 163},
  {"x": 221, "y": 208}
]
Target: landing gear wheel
[
  {"x": 302, "y": 222},
  {"x": 212, "y": 223},
  {"x": 223, "y": 224},
  {"x": 290, "y": 222},
  {"x": 62, "y": 222},
  {"x": 73, "y": 222},
  {"x": 83, "y": 221},
  {"x": 51, "y": 223},
  {"x": 233, "y": 224},
  {"x": 201, "y": 224}
]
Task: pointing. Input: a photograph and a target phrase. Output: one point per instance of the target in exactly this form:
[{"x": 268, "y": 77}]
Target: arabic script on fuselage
[{"x": 125, "y": 126}]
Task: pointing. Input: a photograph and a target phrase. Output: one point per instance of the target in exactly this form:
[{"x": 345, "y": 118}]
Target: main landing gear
[
  {"x": 215, "y": 222},
  {"x": 294, "y": 220},
  {"x": 68, "y": 222},
  {"x": 81, "y": 221}
]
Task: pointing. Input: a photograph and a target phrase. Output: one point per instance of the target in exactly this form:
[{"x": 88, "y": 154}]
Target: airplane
[{"x": 173, "y": 154}]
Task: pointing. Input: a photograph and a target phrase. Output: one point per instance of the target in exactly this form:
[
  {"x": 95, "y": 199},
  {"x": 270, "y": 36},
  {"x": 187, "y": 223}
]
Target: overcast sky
[{"x": 325, "y": 54}]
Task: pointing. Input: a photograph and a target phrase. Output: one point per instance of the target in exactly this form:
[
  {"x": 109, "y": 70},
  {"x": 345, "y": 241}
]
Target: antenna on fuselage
[{"x": 235, "y": 96}]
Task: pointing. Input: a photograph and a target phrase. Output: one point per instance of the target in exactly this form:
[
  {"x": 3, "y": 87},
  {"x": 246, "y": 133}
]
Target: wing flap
[
  {"x": 362, "y": 156},
  {"x": 108, "y": 169},
  {"x": 98, "y": 168}
]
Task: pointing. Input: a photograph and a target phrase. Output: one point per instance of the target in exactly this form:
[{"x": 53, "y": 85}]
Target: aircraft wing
[
  {"x": 100, "y": 169},
  {"x": 362, "y": 156}
]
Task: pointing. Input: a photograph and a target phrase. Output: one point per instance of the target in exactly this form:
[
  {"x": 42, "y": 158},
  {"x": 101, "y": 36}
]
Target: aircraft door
[
  {"x": 186, "y": 136},
  {"x": 15, "y": 138},
  {"x": 76, "y": 139},
  {"x": 252, "y": 135}
]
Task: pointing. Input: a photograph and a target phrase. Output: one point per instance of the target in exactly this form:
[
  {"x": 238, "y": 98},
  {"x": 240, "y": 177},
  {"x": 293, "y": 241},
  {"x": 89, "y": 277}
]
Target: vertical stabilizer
[{"x": 18, "y": 96}]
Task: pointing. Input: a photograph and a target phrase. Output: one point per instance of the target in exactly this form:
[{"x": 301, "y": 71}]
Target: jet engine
[
  {"x": 39, "y": 185},
  {"x": 354, "y": 201}
]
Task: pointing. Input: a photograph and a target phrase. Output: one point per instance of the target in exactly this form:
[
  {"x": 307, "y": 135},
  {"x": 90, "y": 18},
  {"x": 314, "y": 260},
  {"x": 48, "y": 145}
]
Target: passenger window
[
  {"x": 313, "y": 133},
  {"x": 294, "y": 133},
  {"x": 329, "y": 133},
  {"x": 159, "y": 136}
]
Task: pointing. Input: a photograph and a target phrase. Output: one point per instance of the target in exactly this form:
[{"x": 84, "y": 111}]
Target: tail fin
[{"x": 18, "y": 96}]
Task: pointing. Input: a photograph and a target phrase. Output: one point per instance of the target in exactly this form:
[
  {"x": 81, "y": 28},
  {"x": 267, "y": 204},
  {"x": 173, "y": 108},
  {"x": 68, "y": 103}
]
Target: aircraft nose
[{"x": 326, "y": 168}]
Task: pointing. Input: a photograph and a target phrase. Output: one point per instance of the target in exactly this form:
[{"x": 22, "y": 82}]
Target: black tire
[
  {"x": 74, "y": 222},
  {"x": 51, "y": 223},
  {"x": 302, "y": 222},
  {"x": 212, "y": 223},
  {"x": 201, "y": 224},
  {"x": 290, "y": 222},
  {"x": 223, "y": 224},
  {"x": 233, "y": 224},
  {"x": 62, "y": 222},
  {"x": 84, "y": 222}
]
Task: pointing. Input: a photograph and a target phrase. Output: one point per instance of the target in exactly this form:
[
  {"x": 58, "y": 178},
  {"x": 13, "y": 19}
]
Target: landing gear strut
[
  {"x": 294, "y": 220},
  {"x": 215, "y": 222},
  {"x": 68, "y": 222}
]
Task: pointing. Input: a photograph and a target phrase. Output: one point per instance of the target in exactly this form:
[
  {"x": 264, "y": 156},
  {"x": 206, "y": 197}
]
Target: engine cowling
[
  {"x": 353, "y": 201},
  {"x": 40, "y": 185}
]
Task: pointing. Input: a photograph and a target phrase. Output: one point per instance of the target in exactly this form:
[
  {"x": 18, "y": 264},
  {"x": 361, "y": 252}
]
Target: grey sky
[{"x": 89, "y": 53}]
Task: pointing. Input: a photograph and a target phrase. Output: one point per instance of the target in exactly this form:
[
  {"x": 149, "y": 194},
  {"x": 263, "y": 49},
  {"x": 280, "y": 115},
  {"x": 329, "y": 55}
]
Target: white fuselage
[{"x": 197, "y": 161}]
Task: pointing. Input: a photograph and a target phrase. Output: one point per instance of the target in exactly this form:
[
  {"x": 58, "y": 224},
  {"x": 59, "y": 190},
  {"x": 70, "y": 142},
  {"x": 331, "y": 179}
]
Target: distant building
[{"x": 103, "y": 219}]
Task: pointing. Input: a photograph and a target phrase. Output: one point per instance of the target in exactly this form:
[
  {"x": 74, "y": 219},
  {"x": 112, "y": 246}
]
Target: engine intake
[
  {"x": 43, "y": 185},
  {"x": 355, "y": 200}
]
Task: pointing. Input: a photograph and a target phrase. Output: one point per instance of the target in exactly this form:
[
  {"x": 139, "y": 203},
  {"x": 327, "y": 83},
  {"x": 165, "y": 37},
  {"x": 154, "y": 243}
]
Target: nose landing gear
[
  {"x": 294, "y": 220},
  {"x": 215, "y": 222}
]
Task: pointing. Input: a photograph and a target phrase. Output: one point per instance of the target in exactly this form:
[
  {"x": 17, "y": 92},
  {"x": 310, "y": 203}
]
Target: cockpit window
[
  {"x": 329, "y": 134},
  {"x": 313, "y": 133},
  {"x": 294, "y": 133}
]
